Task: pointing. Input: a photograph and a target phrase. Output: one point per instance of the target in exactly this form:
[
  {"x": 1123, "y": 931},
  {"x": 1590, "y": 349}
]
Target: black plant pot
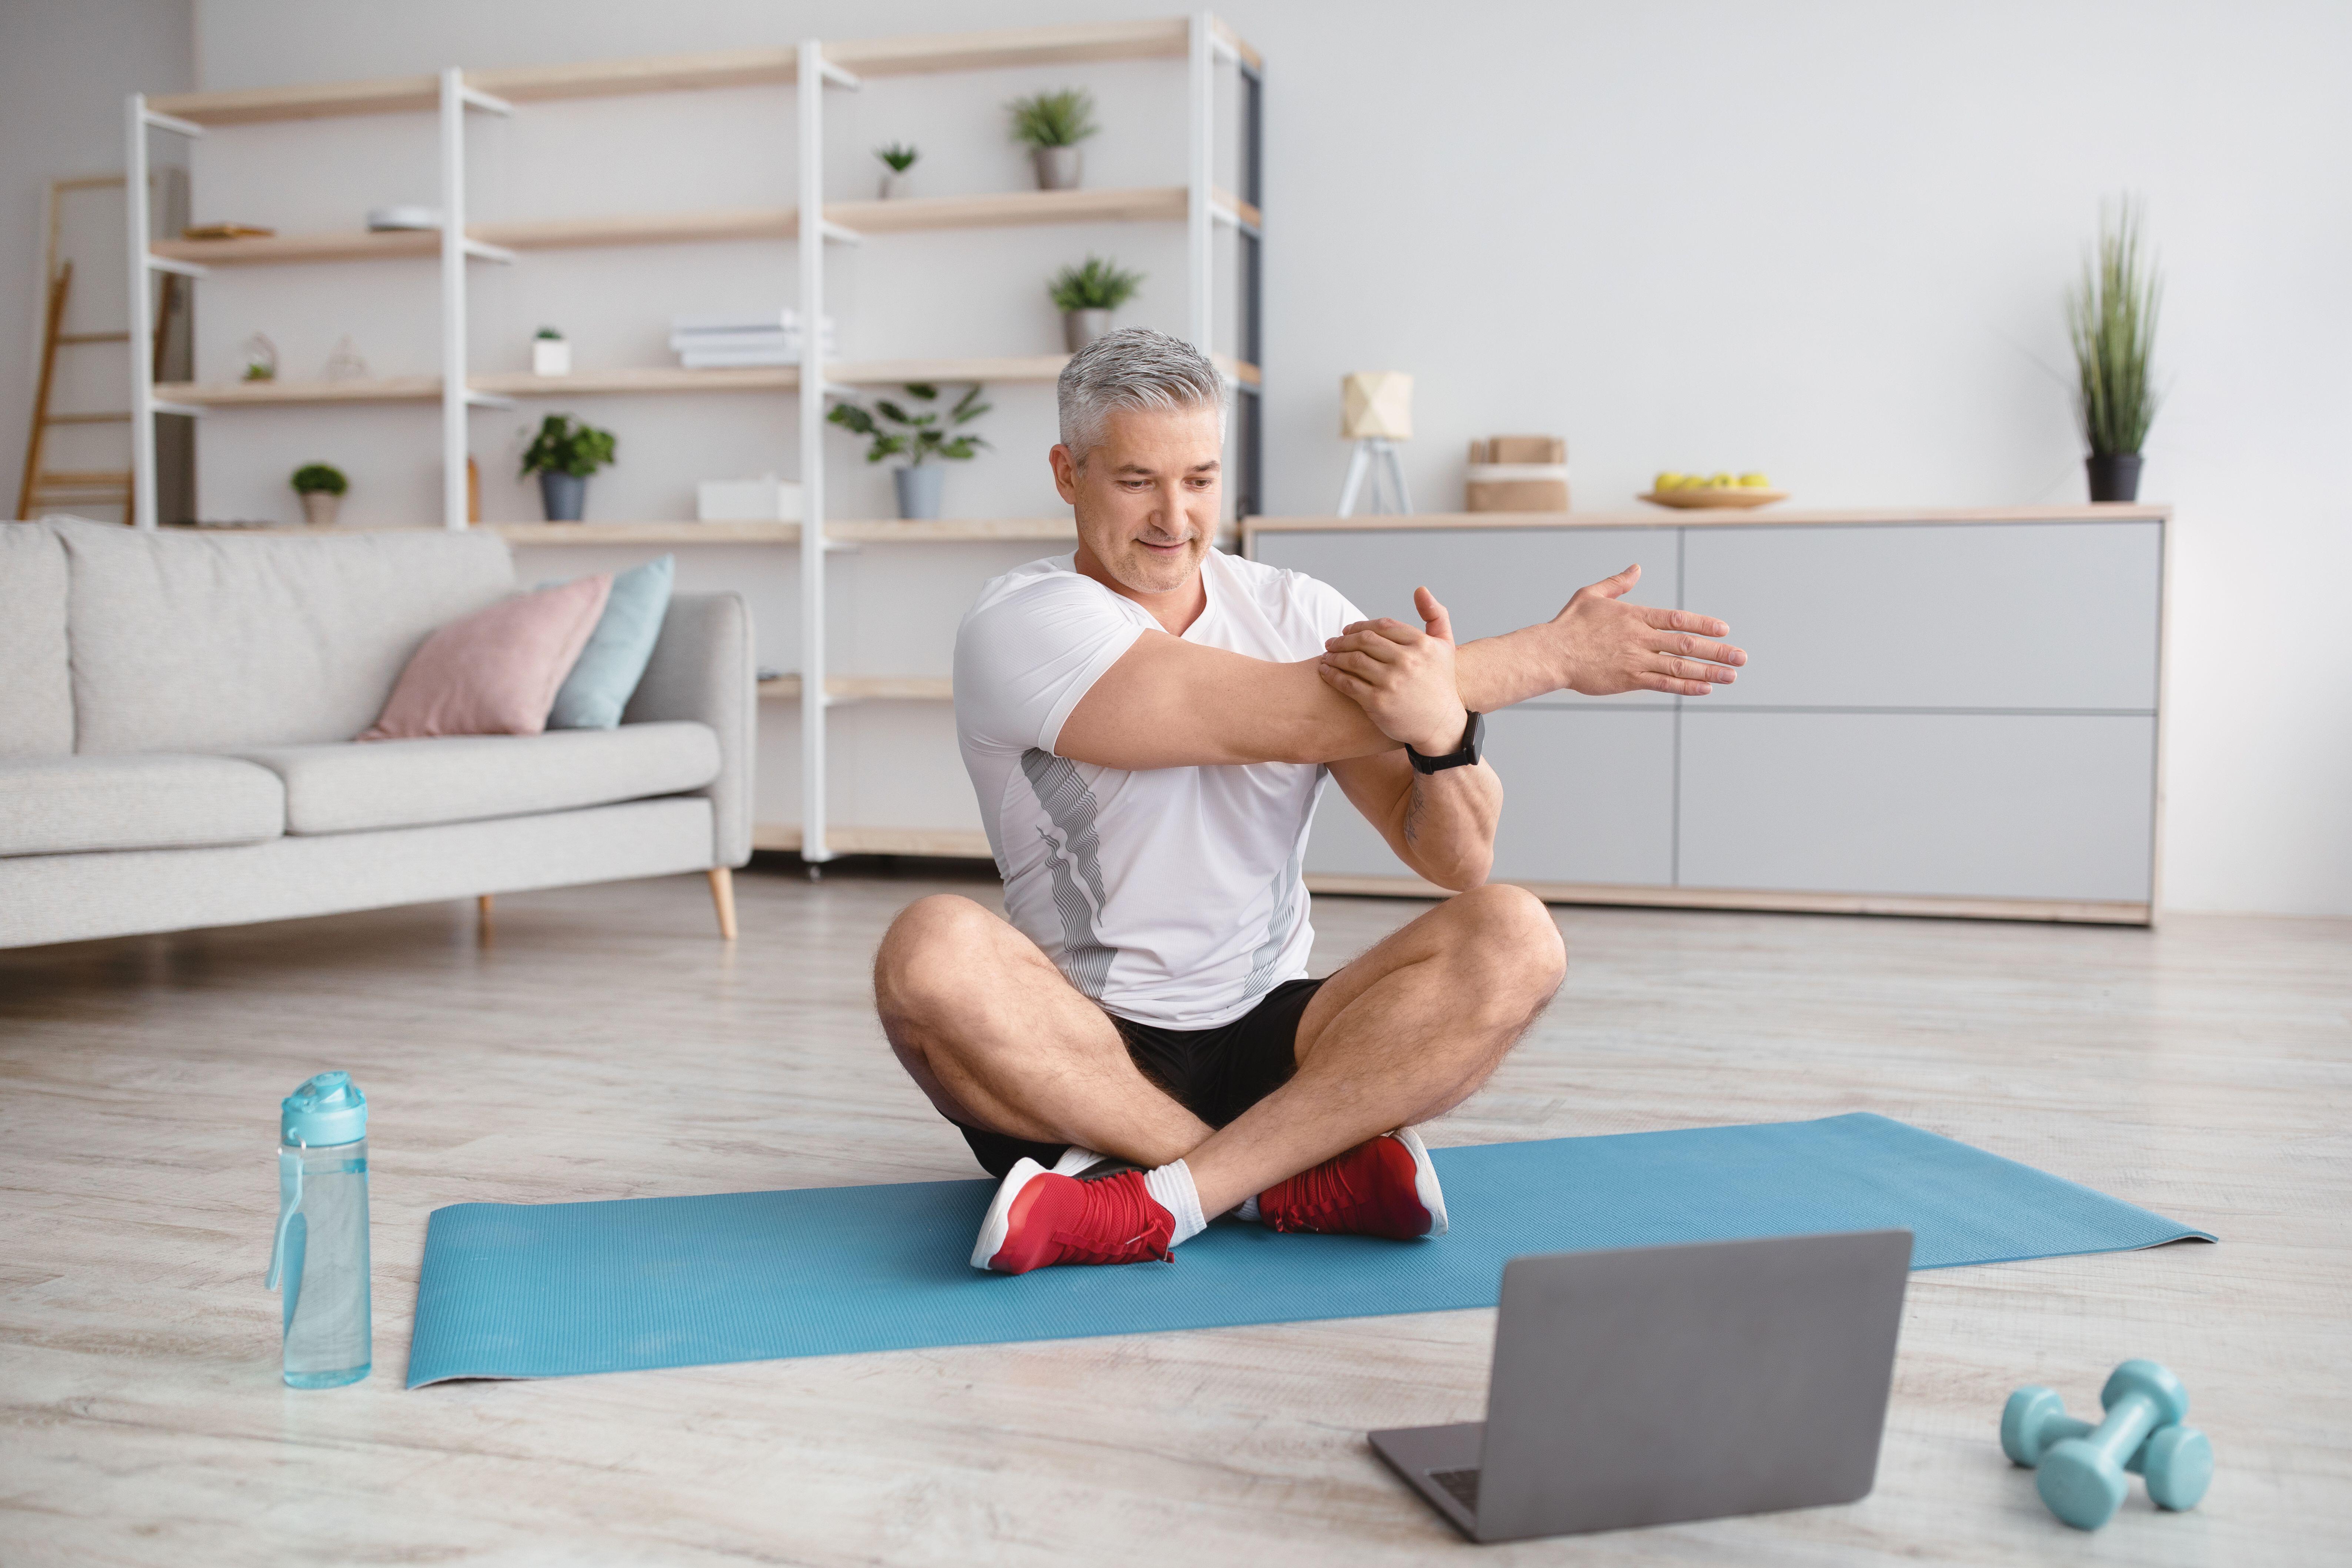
[
  {"x": 2114, "y": 476},
  {"x": 566, "y": 496}
]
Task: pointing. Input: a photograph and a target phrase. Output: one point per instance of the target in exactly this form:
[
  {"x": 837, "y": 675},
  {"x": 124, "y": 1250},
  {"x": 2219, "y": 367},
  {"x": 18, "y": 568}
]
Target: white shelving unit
[{"x": 813, "y": 67}]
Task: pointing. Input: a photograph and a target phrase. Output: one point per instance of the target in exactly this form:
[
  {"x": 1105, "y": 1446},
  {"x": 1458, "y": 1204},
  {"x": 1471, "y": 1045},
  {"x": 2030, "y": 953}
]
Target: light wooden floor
[{"x": 606, "y": 1046}]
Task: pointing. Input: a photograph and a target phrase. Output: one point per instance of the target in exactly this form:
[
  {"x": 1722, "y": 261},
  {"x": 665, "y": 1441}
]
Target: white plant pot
[
  {"x": 896, "y": 186},
  {"x": 550, "y": 356},
  {"x": 318, "y": 508},
  {"x": 1058, "y": 168}
]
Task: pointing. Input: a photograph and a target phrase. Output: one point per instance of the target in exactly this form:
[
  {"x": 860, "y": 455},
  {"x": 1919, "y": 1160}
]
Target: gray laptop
[{"x": 1659, "y": 1383}]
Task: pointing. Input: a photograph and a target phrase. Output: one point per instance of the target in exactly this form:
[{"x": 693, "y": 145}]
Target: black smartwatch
[{"x": 1467, "y": 757}]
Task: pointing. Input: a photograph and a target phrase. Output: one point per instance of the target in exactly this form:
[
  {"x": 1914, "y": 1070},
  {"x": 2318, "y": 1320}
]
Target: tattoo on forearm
[{"x": 1415, "y": 800}]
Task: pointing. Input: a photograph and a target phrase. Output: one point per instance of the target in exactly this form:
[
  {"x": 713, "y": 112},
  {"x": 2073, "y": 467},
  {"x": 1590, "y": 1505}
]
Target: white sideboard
[{"x": 1945, "y": 713}]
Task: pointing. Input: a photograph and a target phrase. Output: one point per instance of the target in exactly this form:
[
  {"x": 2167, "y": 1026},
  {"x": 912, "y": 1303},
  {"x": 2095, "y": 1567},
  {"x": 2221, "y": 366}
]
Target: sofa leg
[
  {"x": 722, "y": 898},
  {"x": 482, "y": 904}
]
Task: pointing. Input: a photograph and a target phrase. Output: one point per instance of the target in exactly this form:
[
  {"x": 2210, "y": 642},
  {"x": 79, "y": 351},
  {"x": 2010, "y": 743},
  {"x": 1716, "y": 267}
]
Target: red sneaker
[
  {"x": 1040, "y": 1219},
  {"x": 1384, "y": 1186}
]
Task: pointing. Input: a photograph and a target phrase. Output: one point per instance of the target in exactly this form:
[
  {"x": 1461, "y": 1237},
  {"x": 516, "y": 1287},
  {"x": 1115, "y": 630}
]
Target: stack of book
[{"x": 774, "y": 337}]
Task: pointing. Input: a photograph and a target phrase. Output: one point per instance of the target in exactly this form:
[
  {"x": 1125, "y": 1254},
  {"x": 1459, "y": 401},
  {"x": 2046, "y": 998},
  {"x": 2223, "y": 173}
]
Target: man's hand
[
  {"x": 1610, "y": 646},
  {"x": 1402, "y": 677}
]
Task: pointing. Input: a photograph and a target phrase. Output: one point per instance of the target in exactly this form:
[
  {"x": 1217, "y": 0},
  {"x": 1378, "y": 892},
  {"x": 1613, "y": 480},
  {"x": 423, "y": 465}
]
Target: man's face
[{"x": 1147, "y": 495}]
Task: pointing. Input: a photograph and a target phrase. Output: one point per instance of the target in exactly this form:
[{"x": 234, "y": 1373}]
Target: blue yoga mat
[{"x": 550, "y": 1289}]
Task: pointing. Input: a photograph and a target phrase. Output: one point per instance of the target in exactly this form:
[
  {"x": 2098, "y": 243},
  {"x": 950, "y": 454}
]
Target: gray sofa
[{"x": 177, "y": 714}]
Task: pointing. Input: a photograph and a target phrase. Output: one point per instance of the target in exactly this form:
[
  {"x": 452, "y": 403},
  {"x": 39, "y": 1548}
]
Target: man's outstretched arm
[{"x": 1168, "y": 703}]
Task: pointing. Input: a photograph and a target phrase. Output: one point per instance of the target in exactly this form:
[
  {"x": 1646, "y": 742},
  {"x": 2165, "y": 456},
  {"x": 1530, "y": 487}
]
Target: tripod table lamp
[{"x": 1376, "y": 413}]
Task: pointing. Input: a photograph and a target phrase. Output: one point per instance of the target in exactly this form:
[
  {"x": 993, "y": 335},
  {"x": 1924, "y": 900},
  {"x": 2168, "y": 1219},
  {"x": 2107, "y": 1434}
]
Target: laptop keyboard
[{"x": 1461, "y": 1485}]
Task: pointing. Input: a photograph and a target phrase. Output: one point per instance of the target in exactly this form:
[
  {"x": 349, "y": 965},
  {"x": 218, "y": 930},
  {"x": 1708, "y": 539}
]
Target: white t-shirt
[{"x": 1171, "y": 896}]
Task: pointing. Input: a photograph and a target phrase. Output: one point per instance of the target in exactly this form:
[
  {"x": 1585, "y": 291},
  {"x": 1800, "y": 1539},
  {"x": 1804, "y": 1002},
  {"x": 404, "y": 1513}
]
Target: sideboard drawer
[
  {"x": 2005, "y": 615},
  {"x": 1588, "y": 797},
  {"x": 1984, "y": 806}
]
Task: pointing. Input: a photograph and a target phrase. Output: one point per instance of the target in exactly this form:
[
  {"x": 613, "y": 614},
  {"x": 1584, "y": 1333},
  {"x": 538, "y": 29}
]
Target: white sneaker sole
[
  {"x": 1424, "y": 1180},
  {"x": 994, "y": 1229}
]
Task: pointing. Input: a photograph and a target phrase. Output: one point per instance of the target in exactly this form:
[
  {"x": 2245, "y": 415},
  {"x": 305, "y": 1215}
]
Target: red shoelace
[{"x": 1118, "y": 1221}]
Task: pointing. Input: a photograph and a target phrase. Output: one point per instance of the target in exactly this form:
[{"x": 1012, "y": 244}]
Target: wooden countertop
[{"x": 1717, "y": 517}]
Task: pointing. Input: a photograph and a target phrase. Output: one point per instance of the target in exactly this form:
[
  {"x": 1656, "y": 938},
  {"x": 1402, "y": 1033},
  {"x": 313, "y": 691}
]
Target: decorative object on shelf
[
  {"x": 741, "y": 338},
  {"x": 549, "y": 353},
  {"x": 921, "y": 436},
  {"x": 764, "y": 500},
  {"x": 1516, "y": 473},
  {"x": 346, "y": 364},
  {"x": 473, "y": 491},
  {"x": 1087, "y": 295},
  {"x": 322, "y": 488},
  {"x": 398, "y": 219},
  {"x": 228, "y": 231},
  {"x": 2111, "y": 318},
  {"x": 260, "y": 359},
  {"x": 1376, "y": 413},
  {"x": 1690, "y": 492},
  {"x": 1052, "y": 124},
  {"x": 563, "y": 454},
  {"x": 900, "y": 157}
]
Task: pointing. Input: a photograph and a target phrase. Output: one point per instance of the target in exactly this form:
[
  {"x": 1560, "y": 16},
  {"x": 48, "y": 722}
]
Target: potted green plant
[
  {"x": 322, "y": 488},
  {"x": 900, "y": 157},
  {"x": 563, "y": 454},
  {"x": 919, "y": 438},
  {"x": 2111, "y": 317},
  {"x": 1086, "y": 296},
  {"x": 1052, "y": 124}
]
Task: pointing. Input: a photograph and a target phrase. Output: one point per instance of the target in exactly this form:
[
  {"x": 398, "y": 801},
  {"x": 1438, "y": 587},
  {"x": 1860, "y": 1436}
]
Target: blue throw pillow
[{"x": 610, "y": 667}]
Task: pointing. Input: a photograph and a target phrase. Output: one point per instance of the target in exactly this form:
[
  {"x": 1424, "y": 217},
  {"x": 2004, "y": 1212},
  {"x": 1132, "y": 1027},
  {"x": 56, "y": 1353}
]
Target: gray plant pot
[
  {"x": 318, "y": 507},
  {"x": 1080, "y": 328},
  {"x": 1058, "y": 168},
  {"x": 896, "y": 185},
  {"x": 564, "y": 497},
  {"x": 919, "y": 490}
]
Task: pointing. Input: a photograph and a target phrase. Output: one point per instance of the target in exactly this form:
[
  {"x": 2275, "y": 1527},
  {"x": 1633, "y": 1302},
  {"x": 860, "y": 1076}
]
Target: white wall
[
  {"x": 1827, "y": 240},
  {"x": 64, "y": 72}
]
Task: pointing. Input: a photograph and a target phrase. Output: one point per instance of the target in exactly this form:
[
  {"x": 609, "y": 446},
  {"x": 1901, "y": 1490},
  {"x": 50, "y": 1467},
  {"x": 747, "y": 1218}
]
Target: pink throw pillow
[{"x": 497, "y": 671}]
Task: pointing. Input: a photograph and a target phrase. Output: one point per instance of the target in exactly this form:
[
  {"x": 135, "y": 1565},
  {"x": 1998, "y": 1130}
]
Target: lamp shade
[{"x": 1376, "y": 405}]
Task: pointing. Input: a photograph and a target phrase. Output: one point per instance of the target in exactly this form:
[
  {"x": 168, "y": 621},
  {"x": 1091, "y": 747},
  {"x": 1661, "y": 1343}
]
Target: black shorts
[{"x": 1216, "y": 1074}]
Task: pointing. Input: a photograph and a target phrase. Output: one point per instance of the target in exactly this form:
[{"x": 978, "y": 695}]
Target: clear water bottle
[{"x": 320, "y": 1257}]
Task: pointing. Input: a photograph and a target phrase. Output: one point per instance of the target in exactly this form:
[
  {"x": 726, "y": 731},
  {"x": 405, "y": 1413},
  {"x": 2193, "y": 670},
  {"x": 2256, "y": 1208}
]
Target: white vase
[{"x": 550, "y": 356}]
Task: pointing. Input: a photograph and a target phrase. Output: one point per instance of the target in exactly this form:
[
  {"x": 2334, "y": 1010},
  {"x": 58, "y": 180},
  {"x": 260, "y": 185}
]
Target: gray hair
[{"x": 1133, "y": 367}]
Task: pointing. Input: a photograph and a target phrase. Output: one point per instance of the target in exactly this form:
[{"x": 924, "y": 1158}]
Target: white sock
[
  {"x": 1247, "y": 1209},
  {"x": 1171, "y": 1188}
]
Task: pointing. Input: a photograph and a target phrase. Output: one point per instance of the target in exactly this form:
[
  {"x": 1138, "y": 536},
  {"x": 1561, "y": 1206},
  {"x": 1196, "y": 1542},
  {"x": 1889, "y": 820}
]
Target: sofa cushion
[
  {"x": 494, "y": 672},
  {"x": 59, "y": 805},
  {"x": 36, "y": 717},
  {"x": 351, "y": 788},
  {"x": 196, "y": 642},
  {"x": 610, "y": 667}
]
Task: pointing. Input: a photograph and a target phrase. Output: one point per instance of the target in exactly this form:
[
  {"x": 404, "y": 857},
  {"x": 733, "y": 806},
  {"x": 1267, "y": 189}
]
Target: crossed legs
[{"x": 993, "y": 1035}]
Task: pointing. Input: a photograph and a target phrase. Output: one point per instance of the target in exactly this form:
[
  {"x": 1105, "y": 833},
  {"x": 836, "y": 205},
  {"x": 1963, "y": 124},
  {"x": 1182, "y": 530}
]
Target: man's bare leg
[
  {"x": 1401, "y": 1034},
  {"x": 992, "y": 1032}
]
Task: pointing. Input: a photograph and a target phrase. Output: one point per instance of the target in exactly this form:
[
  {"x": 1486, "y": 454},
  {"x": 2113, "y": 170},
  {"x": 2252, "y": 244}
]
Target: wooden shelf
[
  {"x": 253, "y": 394},
  {"x": 1053, "y": 529},
  {"x": 946, "y": 843},
  {"x": 997, "y": 209},
  {"x": 627, "y": 533},
  {"x": 641, "y": 378},
  {"x": 1161, "y": 38},
  {"x": 846, "y": 688},
  {"x": 1933, "y": 906}
]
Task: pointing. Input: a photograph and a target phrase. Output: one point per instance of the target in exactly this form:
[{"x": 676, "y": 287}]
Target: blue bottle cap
[{"x": 328, "y": 1109}]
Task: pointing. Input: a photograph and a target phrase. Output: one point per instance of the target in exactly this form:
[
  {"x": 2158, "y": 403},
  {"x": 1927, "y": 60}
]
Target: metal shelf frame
[{"x": 1207, "y": 44}]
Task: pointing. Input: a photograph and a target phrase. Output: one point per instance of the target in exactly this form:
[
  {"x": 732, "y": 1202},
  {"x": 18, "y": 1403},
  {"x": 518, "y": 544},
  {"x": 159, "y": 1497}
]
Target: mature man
[{"x": 1149, "y": 723}]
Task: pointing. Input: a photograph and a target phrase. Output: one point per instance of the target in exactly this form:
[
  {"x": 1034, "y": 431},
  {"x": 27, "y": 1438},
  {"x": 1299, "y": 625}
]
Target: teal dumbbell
[{"x": 2080, "y": 1468}]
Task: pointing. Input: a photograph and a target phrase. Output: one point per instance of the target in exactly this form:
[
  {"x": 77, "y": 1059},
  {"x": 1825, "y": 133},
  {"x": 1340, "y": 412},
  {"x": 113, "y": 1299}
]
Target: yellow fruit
[
  {"x": 1755, "y": 482},
  {"x": 1719, "y": 482},
  {"x": 1666, "y": 481}
]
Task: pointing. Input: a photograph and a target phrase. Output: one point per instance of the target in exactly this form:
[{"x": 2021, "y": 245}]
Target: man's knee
[
  {"x": 931, "y": 953},
  {"x": 1507, "y": 934}
]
